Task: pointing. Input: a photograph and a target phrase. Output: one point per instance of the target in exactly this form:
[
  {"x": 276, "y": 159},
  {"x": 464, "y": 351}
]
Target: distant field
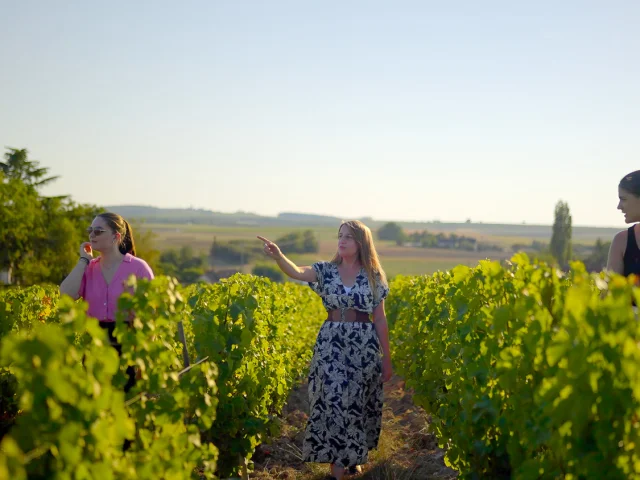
[
  {"x": 395, "y": 260},
  {"x": 201, "y": 236},
  {"x": 170, "y": 235},
  {"x": 430, "y": 261},
  {"x": 515, "y": 233},
  {"x": 207, "y": 219}
]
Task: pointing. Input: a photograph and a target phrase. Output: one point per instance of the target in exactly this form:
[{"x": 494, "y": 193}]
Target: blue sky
[{"x": 411, "y": 110}]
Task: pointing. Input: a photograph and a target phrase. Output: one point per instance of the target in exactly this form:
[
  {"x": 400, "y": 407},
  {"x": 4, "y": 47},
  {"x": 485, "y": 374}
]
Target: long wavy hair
[{"x": 367, "y": 254}]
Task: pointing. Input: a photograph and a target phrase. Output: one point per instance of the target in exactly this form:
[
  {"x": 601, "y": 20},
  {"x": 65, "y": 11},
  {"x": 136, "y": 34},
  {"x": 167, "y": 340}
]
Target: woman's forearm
[
  {"x": 382, "y": 329},
  {"x": 305, "y": 274},
  {"x": 71, "y": 285}
]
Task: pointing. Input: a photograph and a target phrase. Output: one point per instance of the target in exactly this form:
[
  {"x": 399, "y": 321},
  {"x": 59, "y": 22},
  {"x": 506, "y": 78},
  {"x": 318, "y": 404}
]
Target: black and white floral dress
[{"x": 345, "y": 385}]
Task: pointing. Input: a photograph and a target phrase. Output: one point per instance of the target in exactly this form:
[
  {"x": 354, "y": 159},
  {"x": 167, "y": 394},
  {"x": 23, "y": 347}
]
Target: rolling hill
[{"x": 149, "y": 214}]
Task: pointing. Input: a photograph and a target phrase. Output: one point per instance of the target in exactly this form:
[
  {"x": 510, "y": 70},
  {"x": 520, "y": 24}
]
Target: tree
[
  {"x": 146, "y": 246},
  {"x": 40, "y": 236},
  {"x": 310, "y": 242},
  {"x": 54, "y": 243},
  {"x": 391, "y": 231},
  {"x": 185, "y": 265},
  {"x": 19, "y": 217},
  {"x": 272, "y": 272},
  {"x": 235, "y": 252},
  {"x": 597, "y": 260},
  {"x": 561, "y": 237},
  {"x": 18, "y": 166},
  {"x": 298, "y": 242}
]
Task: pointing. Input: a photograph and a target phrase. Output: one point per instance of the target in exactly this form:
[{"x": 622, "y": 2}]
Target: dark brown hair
[
  {"x": 631, "y": 183},
  {"x": 121, "y": 226}
]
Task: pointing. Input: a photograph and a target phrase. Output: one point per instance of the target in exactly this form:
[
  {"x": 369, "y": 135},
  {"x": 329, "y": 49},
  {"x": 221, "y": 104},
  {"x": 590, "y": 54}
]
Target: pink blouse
[{"x": 103, "y": 298}]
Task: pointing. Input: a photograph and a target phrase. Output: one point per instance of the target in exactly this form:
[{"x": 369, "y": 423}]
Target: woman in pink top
[{"x": 100, "y": 281}]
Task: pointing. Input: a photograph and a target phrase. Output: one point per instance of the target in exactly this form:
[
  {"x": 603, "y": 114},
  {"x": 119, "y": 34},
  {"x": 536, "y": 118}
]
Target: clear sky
[{"x": 406, "y": 110}]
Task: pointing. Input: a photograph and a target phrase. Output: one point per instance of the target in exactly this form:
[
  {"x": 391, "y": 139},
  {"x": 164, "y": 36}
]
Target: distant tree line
[
  {"x": 270, "y": 271},
  {"x": 392, "y": 231},
  {"x": 40, "y": 235},
  {"x": 242, "y": 252},
  {"x": 184, "y": 264}
]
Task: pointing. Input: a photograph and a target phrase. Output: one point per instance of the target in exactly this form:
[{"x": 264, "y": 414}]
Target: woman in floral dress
[{"x": 351, "y": 355}]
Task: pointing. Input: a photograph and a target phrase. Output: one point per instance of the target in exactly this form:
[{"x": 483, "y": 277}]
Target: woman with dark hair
[
  {"x": 100, "y": 281},
  {"x": 624, "y": 254}
]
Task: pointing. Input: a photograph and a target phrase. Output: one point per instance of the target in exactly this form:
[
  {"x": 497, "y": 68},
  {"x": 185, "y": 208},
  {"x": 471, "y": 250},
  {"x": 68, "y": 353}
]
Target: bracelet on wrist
[{"x": 85, "y": 259}]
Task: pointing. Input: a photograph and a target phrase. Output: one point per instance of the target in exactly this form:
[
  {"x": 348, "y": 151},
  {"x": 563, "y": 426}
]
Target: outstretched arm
[{"x": 305, "y": 274}]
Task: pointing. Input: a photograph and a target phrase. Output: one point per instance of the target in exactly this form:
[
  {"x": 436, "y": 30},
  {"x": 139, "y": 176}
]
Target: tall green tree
[
  {"x": 146, "y": 248},
  {"x": 270, "y": 271},
  {"x": 184, "y": 264},
  {"x": 310, "y": 243},
  {"x": 18, "y": 166},
  {"x": 597, "y": 260},
  {"x": 39, "y": 236},
  {"x": 392, "y": 231},
  {"x": 19, "y": 217},
  {"x": 298, "y": 242},
  {"x": 57, "y": 241},
  {"x": 561, "y": 236}
]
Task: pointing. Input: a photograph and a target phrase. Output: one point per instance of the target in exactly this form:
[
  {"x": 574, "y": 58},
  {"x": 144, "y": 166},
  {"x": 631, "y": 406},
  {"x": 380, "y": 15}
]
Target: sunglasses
[{"x": 96, "y": 231}]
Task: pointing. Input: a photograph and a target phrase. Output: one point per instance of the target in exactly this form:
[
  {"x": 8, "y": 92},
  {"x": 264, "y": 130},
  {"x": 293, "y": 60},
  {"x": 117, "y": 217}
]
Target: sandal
[{"x": 354, "y": 470}]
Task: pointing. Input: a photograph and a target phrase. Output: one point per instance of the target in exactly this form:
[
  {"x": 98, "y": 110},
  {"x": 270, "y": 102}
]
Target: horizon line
[{"x": 432, "y": 221}]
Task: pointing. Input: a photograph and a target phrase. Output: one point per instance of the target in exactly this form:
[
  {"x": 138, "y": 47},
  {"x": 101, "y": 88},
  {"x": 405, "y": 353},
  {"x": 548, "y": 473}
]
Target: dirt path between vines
[{"x": 407, "y": 450}]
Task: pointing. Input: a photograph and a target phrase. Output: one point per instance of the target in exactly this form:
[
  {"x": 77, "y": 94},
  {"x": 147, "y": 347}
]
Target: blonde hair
[{"x": 367, "y": 255}]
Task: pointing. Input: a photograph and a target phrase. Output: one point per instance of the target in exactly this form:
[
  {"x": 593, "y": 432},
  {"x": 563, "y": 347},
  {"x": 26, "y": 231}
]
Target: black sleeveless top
[{"x": 631, "y": 254}]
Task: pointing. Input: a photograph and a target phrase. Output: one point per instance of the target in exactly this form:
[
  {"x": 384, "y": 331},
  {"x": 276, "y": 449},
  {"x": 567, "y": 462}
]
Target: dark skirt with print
[{"x": 345, "y": 395}]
